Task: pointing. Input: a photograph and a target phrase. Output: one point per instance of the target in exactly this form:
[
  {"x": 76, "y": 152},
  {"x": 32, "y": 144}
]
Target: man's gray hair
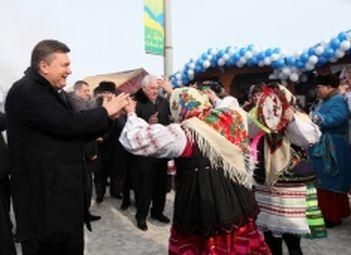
[{"x": 148, "y": 79}]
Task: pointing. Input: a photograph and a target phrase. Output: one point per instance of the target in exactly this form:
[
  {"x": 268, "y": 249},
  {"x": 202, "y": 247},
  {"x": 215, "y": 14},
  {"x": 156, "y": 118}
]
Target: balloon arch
[{"x": 285, "y": 66}]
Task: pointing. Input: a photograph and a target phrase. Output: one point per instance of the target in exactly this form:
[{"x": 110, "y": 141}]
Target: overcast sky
[{"x": 107, "y": 35}]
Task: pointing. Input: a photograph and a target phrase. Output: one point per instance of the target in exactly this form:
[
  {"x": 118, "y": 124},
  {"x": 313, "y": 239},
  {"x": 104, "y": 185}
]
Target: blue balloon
[
  {"x": 304, "y": 57},
  {"x": 220, "y": 54},
  {"x": 328, "y": 53},
  {"x": 230, "y": 62},
  {"x": 204, "y": 56},
  {"x": 269, "y": 52},
  {"x": 322, "y": 60},
  {"x": 280, "y": 63},
  {"x": 252, "y": 61},
  {"x": 300, "y": 64},
  {"x": 335, "y": 43},
  {"x": 291, "y": 61},
  {"x": 242, "y": 51},
  {"x": 250, "y": 47},
  {"x": 235, "y": 57},
  {"x": 311, "y": 51},
  {"x": 260, "y": 56},
  {"x": 198, "y": 69},
  {"x": 342, "y": 36},
  {"x": 276, "y": 50},
  {"x": 214, "y": 62}
]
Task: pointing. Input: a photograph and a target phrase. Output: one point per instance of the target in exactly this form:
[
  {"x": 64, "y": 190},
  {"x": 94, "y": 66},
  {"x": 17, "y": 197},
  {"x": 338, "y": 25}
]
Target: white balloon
[
  {"x": 179, "y": 82},
  {"x": 313, "y": 59},
  {"x": 248, "y": 55},
  {"x": 231, "y": 51},
  {"x": 242, "y": 60},
  {"x": 192, "y": 65},
  {"x": 345, "y": 45},
  {"x": 226, "y": 57},
  {"x": 213, "y": 52},
  {"x": 206, "y": 64},
  {"x": 283, "y": 53},
  {"x": 286, "y": 71},
  {"x": 297, "y": 54},
  {"x": 267, "y": 61},
  {"x": 294, "y": 77},
  {"x": 274, "y": 57},
  {"x": 282, "y": 76},
  {"x": 273, "y": 76},
  {"x": 325, "y": 42},
  {"x": 221, "y": 62},
  {"x": 190, "y": 72},
  {"x": 339, "y": 53},
  {"x": 178, "y": 76},
  {"x": 256, "y": 50},
  {"x": 239, "y": 64},
  {"x": 319, "y": 50},
  {"x": 309, "y": 66},
  {"x": 261, "y": 63}
]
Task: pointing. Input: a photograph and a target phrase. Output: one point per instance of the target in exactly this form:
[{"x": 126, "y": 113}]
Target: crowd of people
[{"x": 248, "y": 177}]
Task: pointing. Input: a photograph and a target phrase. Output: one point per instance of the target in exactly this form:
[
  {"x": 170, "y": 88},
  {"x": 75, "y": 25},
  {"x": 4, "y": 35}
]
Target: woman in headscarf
[
  {"x": 284, "y": 176},
  {"x": 214, "y": 208},
  {"x": 331, "y": 156}
]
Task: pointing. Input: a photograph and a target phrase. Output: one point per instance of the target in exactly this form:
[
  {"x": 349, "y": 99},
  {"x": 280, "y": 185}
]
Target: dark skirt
[{"x": 207, "y": 202}]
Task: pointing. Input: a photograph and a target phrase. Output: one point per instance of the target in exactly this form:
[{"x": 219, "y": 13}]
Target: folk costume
[
  {"x": 284, "y": 176},
  {"x": 214, "y": 210}
]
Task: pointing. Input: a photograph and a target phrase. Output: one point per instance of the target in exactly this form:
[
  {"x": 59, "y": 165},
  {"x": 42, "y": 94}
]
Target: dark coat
[
  {"x": 145, "y": 108},
  {"x": 7, "y": 245},
  {"x": 46, "y": 140},
  {"x": 5, "y": 164}
]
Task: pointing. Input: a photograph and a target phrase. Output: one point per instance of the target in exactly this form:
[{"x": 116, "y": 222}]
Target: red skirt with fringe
[{"x": 241, "y": 241}]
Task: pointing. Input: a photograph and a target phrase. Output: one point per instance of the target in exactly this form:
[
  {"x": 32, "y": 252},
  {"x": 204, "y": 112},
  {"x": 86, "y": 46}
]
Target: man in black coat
[
  {"x": 152, "y": 172},
  {"x": 46, "y": 141},
  {"x": 6, "y": 239}
]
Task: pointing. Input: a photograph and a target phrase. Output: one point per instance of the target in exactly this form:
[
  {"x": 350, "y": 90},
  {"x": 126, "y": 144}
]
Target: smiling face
[
  {"x": 56, "y": 68},
  {"x": 152, "y": 90}
]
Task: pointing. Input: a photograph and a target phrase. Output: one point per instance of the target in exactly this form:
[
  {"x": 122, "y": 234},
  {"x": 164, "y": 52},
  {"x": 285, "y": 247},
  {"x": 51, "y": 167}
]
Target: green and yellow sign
[{"x": 154, "y": 26}]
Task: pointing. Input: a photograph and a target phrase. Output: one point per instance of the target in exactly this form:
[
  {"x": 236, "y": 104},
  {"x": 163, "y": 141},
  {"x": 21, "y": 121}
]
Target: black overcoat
[{"x": 46, "y": 140}]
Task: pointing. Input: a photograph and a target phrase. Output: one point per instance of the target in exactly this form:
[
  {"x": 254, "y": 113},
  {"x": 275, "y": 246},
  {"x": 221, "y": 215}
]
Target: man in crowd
[
  {"x": 46, "y": 139},
  {"x": 6, "y": 240},
  {"x": 81, "y": 100},
  {"x": 152, "y": 173}
]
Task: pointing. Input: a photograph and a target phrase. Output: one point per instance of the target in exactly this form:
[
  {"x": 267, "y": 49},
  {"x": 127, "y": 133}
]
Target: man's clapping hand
[{"x": 115, "y": 104}]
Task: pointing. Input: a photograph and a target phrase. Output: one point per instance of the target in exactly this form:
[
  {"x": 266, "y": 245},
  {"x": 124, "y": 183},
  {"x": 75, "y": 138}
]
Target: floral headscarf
[{"x": 220, "y": 134}]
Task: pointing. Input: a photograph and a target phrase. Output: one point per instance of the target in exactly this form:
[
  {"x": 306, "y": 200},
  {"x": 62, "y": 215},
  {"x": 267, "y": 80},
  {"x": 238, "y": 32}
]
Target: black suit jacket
[{"x": 46, "y": 140}]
